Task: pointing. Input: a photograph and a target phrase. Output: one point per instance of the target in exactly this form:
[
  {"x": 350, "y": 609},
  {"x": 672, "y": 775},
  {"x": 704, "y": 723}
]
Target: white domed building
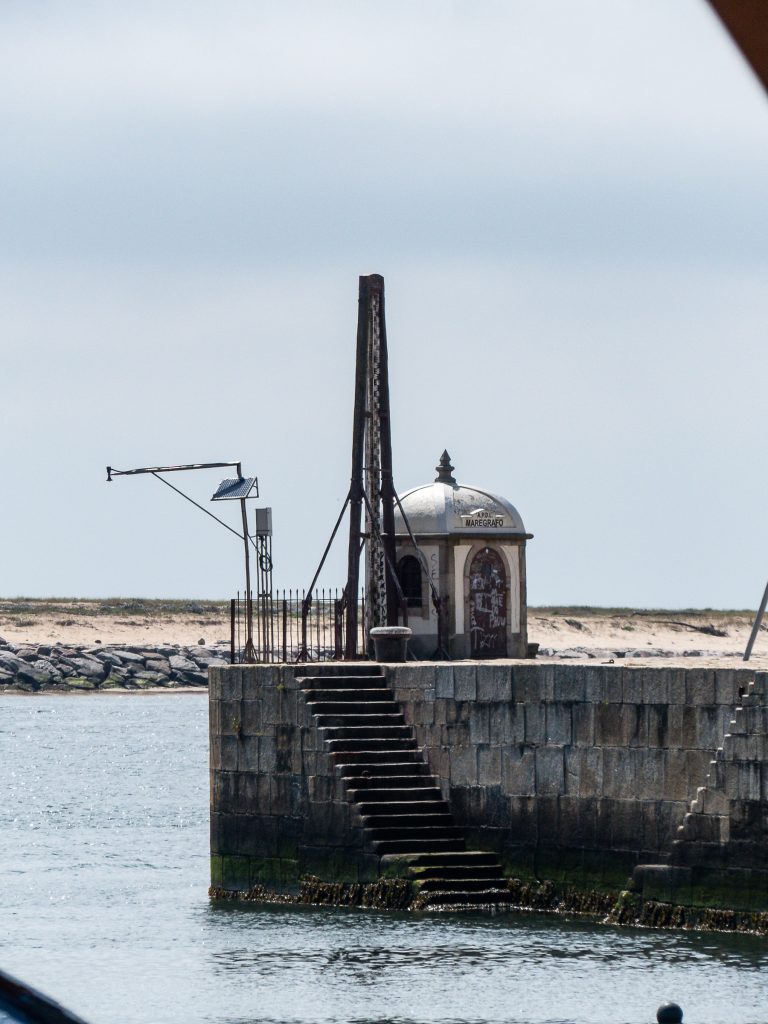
[{"x": 468, "y": 565}]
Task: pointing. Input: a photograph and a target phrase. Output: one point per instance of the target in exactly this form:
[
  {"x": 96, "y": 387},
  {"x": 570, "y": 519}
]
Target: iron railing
[{"x": 294, "y": 626}]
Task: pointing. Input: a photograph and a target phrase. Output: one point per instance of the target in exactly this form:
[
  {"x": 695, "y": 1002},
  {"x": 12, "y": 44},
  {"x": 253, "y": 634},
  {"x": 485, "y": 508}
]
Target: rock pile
[{"x": 31, "y": 667}]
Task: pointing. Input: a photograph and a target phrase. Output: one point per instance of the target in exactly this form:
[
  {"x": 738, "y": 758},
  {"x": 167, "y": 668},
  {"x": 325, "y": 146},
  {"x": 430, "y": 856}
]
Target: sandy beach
[{"x": 689, "y": 636}]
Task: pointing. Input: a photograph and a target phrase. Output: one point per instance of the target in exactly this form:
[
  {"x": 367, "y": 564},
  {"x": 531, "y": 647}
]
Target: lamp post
[{"x": 239, "y": 488}]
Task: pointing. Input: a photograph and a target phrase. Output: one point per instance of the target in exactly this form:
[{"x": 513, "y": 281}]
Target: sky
[{"x": 566, "y": 199}]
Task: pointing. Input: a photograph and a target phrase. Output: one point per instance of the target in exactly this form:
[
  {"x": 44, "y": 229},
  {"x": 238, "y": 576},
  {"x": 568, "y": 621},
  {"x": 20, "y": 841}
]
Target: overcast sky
[{"x": 567, "y": 200}]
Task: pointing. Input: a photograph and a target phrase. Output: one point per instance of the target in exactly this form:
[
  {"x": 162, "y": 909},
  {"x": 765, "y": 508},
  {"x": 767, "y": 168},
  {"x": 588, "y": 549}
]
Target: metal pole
[
  {"x": 232, "y": 631},
  {"x": 756, "y": 626},
  {"x": 248, "y": 654},
  {"x": 356, "y": 482},
  {"x": 387, "y": 482}
]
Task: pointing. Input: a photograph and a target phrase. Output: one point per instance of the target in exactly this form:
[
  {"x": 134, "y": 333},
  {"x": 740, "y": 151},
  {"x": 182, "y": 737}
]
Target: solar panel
[{"x": 240, "y": 487}]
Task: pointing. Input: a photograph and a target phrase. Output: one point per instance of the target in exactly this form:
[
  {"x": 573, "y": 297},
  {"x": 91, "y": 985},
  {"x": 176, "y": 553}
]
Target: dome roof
[{"x": 445, "y": 507}]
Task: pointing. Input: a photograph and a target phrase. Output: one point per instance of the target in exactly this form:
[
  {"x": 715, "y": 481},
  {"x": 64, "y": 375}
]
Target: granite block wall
[
  {"x": 570, "y": 772},
  {"x": 278, "y": 811},
  {"x": 575, "y": 773}
]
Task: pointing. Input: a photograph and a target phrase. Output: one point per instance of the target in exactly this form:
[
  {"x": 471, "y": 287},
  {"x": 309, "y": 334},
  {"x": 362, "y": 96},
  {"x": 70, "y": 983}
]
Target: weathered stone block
[
  {"x": 519, "y": 771},
  {"x": 253, "y": 793},
  {"x": 709, "y": 728},
  {"x": 421, "y": 713},
  {"x": 557, "y": 723},
  {"x": 650, "y": 774},
  {"x": 488, "y": 765},
  {"x": 235, "y": 873},
  {"x": 614, "y": 686},
  {"x": 656, "y": 725},
  {"x": 676, "y": 685},
  {"x": 214, "y": 685},
  {"x": 444, "y": 684},
  {"x": 420, "y": 678},
  {"x": 626, "y": 824},
  {"x": 231, "y": 679},
  {"x": 465, "y": 682},
  {"x": 569, "y": 683},
  {"x": 463, "y": 766},
  {"x": 726, "y": 687},
  {"x": 479, "y": 723},
  {"x": 595, "y": 683},
  {"x": 248, "y": 753},
  {"x": 675, "y": 725},
  {"x": 577, "y": 819},
  {"x": 583, "y": 724},
  {"x": 507, "y": 723},
  {"x": 609, "y": 725},
  {"x": 214, "y": 717},
  {"x": 632, "y": 685},
  {"x": 634, "y": 725},
  {"x": 700, "y": 686},
  {"x": 528, "y": 683},
  {"x": 229, "y": 753},
  {"x": 583, "y": 771},
  {"x": 547, "y": 819},
  {"x": 225, "y": 792},
  {"x": 534, "y": 723},
  {"x": 550, "y": 771},
  {"x": 455, "y": 735},
  {"x": 257, "y": 836},
  {"x": 279, "y": 706},
  {"x": 494, "y": 683},
  {"x": 231, "y": 717},
  {"x": 284, "y": 795},
  {"x": 655, "y": 686},
  {"x": 620, "y": 773}
]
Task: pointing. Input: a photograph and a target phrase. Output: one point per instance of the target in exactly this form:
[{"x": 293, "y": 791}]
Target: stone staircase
[
  {"x": 727, "y": 823},
  {"x": 387, "y": 778}
]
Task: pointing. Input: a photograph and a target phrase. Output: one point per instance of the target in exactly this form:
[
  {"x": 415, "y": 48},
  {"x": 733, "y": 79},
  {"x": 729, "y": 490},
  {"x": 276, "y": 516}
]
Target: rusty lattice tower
[{"x": 372, "y": 490}]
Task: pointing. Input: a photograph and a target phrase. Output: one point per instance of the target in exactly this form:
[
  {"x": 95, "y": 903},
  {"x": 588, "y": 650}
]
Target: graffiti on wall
[{"x": 488, "y": 605}]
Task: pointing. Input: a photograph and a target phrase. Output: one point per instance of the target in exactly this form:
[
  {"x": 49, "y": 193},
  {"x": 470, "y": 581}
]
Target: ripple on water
[{"x": 104, "y": 853}]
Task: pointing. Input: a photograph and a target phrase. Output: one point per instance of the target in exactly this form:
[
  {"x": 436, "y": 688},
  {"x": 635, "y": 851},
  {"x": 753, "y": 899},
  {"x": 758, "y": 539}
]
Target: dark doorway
[
  {"x": 409, "y": 574},
  {"x": 488, "y": 605}
]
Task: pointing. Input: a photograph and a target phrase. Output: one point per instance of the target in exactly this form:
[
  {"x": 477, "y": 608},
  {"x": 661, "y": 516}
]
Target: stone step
[
  {"x": 369, "y": 808},
  {"x": 359, "y": 732},
  {"x": 402, "y": 846},
  {"x": 342, "y": 682},
  {"x": 376, "y": 822},
  {"x": 370, "y": 744},
  {"x": 395, "y": 797},
  {"x": 366, "y": 721},
  {"x": 482, "y": 898},
  {"x": 371, "y": 785},
  {"x": 473, "y": 857},
  {"x": 382, "y": 707},
  {"x": 462, "y": 884},
  {"x": 362, "y": 771},
  {"x": 429, "y": 832},
  {"x": 460, "y": 872},
  {"x": 378, "y": 757},
  {"x": 337, "y": 670},
  {"x": 352, "y": 696}
]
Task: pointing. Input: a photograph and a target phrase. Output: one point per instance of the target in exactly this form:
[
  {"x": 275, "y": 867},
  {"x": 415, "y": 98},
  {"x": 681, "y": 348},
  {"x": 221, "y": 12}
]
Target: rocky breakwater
[{"x": 45, "y": 667}]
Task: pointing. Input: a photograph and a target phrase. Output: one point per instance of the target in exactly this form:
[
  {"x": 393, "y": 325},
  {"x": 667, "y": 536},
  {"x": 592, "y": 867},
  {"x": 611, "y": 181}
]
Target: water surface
[{"x": 103, "y": 904}]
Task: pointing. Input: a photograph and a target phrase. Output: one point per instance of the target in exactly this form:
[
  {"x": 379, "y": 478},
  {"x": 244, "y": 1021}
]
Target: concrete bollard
[{"x": 390, "y": 643}]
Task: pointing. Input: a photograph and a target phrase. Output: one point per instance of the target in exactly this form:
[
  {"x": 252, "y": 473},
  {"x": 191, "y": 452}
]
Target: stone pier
[{"x": 571, "y": 773}]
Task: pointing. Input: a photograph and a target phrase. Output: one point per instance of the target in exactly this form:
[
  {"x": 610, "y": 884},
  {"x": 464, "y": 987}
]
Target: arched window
[{"x": 409, "y": 574}]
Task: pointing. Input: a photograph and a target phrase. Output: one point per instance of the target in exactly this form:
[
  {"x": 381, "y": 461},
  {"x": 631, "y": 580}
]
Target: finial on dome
[{"x": 445, "y": 470}]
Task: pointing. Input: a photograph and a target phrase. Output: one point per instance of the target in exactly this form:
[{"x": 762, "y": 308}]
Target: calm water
[{"x": 103, "y": 849}]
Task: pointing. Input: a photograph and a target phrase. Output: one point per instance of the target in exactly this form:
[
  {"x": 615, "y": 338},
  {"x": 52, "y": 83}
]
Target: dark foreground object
[
  {"x": 25, "y": 1004},
  {"x": 669, "y": 1013}
]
